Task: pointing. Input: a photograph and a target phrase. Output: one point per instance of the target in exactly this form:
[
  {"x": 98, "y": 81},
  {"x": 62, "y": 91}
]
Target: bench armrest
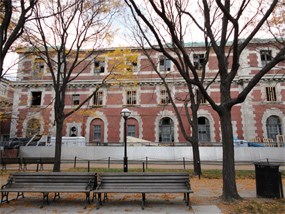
[
  {"x": 90, "y": 184},
  {"x": 187, "y": 184},
  {"x": 9, "y": 182}
]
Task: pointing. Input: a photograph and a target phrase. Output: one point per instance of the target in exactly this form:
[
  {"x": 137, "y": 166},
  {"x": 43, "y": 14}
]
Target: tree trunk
[
  {"x": 195, "y": 138},
  {"x": 229, "y": 183},
  {"x": 58, "y": 143},
  {"x": 196, "y": 158},
  {"x": 59, "y": 118}
]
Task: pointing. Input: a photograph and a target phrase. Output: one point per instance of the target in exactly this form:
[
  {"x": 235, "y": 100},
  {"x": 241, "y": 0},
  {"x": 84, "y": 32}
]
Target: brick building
[
  {"x": 6, "y": 101},
  {"x": 152, "y": 117}
]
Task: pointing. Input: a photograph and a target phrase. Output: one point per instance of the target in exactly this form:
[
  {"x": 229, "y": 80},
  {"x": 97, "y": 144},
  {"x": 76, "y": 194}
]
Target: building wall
[
  {"x": 6, "y": 98},
  {"x": 249, "y": 118}
]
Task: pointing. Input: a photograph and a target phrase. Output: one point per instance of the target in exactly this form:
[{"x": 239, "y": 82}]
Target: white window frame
[
  {"x": 265, "y": 54},
  {"x": 75, "y": 99},
  {"x": 33, "y": 96},
  {"x": 197, "y": 60},
  {"x": 166, "y": 66},
  {"x": 131, "y": 97},
  {"x": 102, "y": 63},
  {"x": 164, "y": 98},
  {"x": 100, "y": 96},
  {"x": 271, "y": 95}
]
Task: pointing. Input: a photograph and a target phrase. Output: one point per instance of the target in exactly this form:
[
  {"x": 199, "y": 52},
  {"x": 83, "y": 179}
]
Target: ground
[{"x": 206, "y": 192}]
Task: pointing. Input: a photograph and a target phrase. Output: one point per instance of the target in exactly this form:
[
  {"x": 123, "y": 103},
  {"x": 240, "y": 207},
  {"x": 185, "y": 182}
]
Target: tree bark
[
  {"x": 229, "y": 183},
  {"x": 195, "y": 140},
  {"x": 58, "y": 142},
  {"x": 196, "y": 159},
  {"x": 59, "y": 119}
]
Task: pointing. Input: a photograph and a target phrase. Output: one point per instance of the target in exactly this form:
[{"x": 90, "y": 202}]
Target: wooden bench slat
[{"x": 143, "y": 183}]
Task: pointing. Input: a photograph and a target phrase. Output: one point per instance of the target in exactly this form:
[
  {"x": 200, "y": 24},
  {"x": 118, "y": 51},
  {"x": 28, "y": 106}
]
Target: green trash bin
[{"x": 268, "y": 180}]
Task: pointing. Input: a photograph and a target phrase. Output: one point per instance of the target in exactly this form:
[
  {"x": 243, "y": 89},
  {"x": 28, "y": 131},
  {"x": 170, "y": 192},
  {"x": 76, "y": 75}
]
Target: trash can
[{"x": 268, "y": 180}]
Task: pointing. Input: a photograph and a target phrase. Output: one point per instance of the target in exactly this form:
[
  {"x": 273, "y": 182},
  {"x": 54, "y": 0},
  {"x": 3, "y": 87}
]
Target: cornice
[{"x": 141, "y": 82}]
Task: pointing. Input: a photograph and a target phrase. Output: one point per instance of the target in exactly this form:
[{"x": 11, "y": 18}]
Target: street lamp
[{"x": 125, "y": 113}]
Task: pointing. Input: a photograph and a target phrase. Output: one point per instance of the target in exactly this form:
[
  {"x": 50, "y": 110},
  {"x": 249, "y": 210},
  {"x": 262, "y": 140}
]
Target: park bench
[
  {"x": 145, "y": 182},
  {"x": 7, "y": 161},
  {"x": 50, "y": 182},
  {"x": 23, "y": 162},
  {"x": 39, "y": 161}
]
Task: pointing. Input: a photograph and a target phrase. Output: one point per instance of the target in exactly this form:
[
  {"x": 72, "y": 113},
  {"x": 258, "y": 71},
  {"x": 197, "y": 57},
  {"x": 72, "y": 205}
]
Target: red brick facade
[
  {"x": 150, "y": 119},
  {"x": 6, "y": 99}
]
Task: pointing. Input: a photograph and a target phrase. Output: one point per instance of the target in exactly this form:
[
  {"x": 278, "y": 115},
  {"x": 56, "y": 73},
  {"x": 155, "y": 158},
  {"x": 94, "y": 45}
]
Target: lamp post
[{"x": 125, "y": 113}]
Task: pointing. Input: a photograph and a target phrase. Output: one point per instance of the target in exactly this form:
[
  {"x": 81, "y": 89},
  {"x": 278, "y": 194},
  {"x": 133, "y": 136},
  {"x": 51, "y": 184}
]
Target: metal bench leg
[
  {"x": 4, "y": 166},
  {"x": 99, "y": 201},
  {"x": 56, "y": 195},
  {"x": 88, "y": 197},
  {"x": 4, "y": 197},
  {"x": 21, "y": 167},
  {"x": 143, "y": 200},
  {"x": 20, "y": 194},
  {"x": 94, "y": 196},
  {"x": 45, "y": 199},
  {"x": 105, "y": 197},
  {"x": 187, "y": 199}
]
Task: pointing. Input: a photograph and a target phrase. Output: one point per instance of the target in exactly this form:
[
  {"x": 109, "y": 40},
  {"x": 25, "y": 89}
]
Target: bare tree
[
  {"x": 59, "y": 41},
  {"x": 191, "y": 103},
  {"x": 227, "y": 28},
  {"x": 13, "y": 17}
]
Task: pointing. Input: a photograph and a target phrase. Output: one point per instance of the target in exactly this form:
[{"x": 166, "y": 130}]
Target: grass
[{"x": 209, "y": 173}]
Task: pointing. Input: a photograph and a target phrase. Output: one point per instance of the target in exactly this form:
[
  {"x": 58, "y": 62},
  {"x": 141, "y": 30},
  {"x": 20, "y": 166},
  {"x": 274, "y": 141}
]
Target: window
[
  {"x": 33, "y": 127},
  {"x": 98, "y": 98},
  {"x": 131, "y": 130},
  {"x": 39, "y": 66},
  {"x": 76, "y": 99},
  {"x": 97, "y": 133},
  {"x": 164, "y": 98},
  {"x": 3, "y": 89},
  {"x": 164, "y": 64},
  {"x": 266, "y": 56},
  {"x": 36, "y": 98},
  {"x": 198, "y": 60},
  {"x": 131, "y": 97},
  {"x": 273, "y": 127},
  {"x": 200, "y": 98},
  {"x": 132, "y": 66},
  {"x": 73, "y": 131},
  {"x": 99, "y": 65},
  {"x": 166, "y": 132},
  {"x": 203, "y": 129},
  {"x": 270, "y": 94}
]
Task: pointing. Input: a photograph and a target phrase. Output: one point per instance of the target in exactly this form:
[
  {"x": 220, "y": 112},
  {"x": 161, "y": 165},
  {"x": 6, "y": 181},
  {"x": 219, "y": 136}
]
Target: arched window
[
  {"x": 273, "y": 127},
  {"x": 166, "y": 133},
  {"x": 203, "y": 129},
  {"x": 33, "y": 127},
  {"x": 97, "y": 131}
]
